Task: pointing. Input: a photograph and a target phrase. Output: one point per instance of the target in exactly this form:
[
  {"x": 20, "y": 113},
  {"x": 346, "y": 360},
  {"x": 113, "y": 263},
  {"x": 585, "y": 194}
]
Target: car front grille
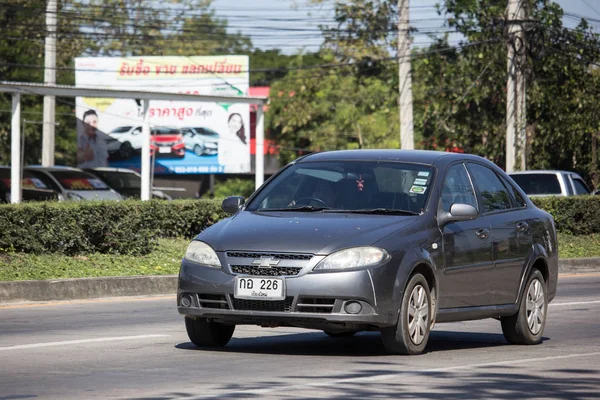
[
  {"x": 315, "y": 305},
  {"x": 263, "y": 305},
  {"x": 262, "y": 271},
  {"x": 213, "y": 301},
  {"x": 279, "y": 256}
]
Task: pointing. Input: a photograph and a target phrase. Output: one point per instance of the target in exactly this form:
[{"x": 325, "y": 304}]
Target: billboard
[{"x": 186, "y": 137}]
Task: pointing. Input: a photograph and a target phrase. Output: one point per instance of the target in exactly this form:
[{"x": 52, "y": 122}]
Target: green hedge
[
  {"x": 129, "y": 227},
  {"x": 575, "y": 215},
  {"x": 133, "y": 227}
]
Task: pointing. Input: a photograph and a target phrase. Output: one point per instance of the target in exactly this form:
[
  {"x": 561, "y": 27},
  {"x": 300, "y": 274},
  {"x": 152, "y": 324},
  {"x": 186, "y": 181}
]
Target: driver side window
[{"x": 457, "y": 188}]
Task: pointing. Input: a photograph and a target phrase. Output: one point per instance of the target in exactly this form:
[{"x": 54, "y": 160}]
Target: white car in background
[
  {"x": 537, "y": 183},
  {"x": 202, "y": 141},
  {"x": 125, "y": 140}
]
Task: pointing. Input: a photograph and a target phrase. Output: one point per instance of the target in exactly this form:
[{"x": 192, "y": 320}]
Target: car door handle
[
  {"x": 522, "y": 226},
  {"x": 482, "y": 233}
]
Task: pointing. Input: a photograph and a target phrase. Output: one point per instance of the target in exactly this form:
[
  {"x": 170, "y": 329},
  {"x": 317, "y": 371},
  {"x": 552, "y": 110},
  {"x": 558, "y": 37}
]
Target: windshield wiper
[
  {"x": 300, "y": 208},
  {"x": 377, "y": 211}
]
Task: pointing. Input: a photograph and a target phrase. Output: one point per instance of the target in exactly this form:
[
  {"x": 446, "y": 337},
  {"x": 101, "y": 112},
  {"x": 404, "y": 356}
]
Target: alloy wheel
[
  {"x": 418, "y": 313},
  {"x": 535, "y": 306}
]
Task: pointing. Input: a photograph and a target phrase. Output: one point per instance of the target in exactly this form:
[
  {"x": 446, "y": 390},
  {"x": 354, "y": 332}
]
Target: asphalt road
[{"x": 137, "y": 349}]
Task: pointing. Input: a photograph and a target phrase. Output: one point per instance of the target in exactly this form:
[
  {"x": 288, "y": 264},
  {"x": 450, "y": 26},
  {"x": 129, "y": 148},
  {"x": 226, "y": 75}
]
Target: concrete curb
[
  {"x": 86, "y": 288},
  {"x": 578, "y": 265},
  {"x": 90, "y": 288}
]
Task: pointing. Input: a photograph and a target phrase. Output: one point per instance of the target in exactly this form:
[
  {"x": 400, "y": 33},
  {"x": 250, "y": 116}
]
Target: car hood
[
  {"x": 97, "y": 194},
  {"x": 300, "y": 232}
]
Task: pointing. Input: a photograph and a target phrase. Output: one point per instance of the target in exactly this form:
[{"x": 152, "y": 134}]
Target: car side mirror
[
  {"x": 458, "y": 212},
  {"x": 232, "y": 204}
]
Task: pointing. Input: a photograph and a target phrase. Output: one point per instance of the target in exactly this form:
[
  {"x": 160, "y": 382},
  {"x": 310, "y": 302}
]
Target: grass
[
  {"x": 166, "y": 258},
  {"x": 570, "y": 246}
]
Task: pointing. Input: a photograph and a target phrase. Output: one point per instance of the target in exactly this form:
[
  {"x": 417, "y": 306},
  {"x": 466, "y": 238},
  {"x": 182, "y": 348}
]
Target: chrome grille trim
[
  {"x": 262, "y": 271},
  {"x": 263, "y": 305},
  {"x": 280, "y": 256}
]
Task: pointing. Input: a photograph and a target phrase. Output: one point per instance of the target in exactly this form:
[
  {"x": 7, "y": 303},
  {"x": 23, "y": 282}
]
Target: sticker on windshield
[
  {"x": 423, "y": 173},
  {"x": 420, "y": 181},
  {"x": 97, "y": 184},
  {"x": 418, "y": 189}
]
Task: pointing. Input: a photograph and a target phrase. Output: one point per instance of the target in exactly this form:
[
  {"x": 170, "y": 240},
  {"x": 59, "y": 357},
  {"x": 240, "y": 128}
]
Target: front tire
[
  {"x": 527, "y": 325},
  {"x": 205, "y": 333},
  {"x": 198, "y": 150},
  {"x": 410, "y": 334}
]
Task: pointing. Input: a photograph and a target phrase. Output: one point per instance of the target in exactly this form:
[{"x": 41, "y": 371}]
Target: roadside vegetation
[{"x": 166, "y": 258}]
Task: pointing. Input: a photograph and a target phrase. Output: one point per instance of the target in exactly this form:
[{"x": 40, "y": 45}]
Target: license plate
[
  {"x": 164, "y": 149},
  {"x": 259, "y": 288}
]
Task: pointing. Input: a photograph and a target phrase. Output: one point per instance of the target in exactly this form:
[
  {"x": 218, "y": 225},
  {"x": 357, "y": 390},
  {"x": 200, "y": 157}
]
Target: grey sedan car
[{"x": 386, "y": 240}]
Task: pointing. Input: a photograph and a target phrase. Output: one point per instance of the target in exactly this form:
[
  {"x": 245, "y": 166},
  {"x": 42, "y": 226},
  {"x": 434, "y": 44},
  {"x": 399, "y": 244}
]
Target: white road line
[
  {"x": 69, "y": 342},
  {"x": 574, "y": 303},
  {"x": 375, "y": 378}
]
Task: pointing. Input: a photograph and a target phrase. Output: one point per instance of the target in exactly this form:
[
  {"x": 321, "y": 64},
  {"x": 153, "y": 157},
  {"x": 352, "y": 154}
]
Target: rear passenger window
[
  {"x": 493, "y": 193},
  {"x": 580, "y": 187},
  {"x": 519, "y": 202}
]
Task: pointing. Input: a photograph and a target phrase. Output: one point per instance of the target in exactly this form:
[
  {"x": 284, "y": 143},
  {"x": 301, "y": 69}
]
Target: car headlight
[
  {"x": 201, "y": 253},
  {"x": 356, "y": 257},
  {"x": 74, "y": 196}
]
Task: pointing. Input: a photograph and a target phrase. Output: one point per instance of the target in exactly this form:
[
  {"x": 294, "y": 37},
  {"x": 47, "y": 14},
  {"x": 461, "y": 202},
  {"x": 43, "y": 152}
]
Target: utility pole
[
  {"x": 516, "y": 139},
  {"x": 407, "y": 140},
  {"x": 49, "y": 79}
]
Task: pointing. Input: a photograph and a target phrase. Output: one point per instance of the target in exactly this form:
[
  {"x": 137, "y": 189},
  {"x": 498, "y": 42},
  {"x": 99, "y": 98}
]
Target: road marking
[
  {"x": 86, "y": 301},
  {"x": 376, "y": 378},
  {"x": 69, "y": 342},
  {"x": 574, "y": 303}
]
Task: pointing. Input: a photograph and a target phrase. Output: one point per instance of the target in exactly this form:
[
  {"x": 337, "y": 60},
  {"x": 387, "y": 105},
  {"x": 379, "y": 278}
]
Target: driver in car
[{"x": 323, "y": 195}]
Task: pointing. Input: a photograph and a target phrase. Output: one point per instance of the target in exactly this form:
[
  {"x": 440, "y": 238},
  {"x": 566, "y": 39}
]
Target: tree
[
  {"x": 350, "y": 101},
  {"x": 562, "y": 87}
]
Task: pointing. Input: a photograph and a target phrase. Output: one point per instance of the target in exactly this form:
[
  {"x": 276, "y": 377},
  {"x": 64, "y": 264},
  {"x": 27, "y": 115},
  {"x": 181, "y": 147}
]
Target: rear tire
[
  {"x": 204, "y": 333},
  {"x": 410, "y": 334},
  {"x": 527, "y": 325}
]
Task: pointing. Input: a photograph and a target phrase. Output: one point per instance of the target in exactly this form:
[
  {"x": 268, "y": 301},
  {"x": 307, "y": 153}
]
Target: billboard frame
[{"x": 26, "y": 88}]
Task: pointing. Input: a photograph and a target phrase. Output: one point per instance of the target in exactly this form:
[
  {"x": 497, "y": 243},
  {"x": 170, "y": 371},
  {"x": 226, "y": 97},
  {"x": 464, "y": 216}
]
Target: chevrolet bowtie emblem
[{"x": 266, "y": 262}]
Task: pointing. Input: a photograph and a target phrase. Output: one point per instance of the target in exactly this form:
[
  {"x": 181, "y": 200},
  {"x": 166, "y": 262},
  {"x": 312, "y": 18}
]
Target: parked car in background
[
  {"x": 166, "y": 142},
  {"x": 125, "y": 181},
  {"x": 73, "y": 184},
  {"x": 380, "y": 240},
  {"x": 201, "y": 140},
  {"x": 536, "y": 183},
  {"x": 32, "y": 188}
]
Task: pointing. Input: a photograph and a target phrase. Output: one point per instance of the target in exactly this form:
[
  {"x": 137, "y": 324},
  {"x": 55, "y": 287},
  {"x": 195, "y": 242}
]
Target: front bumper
[{"x": 312, "y": 300}]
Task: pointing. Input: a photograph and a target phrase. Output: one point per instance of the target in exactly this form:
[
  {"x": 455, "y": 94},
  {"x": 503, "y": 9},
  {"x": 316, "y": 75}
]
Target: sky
[{"x": 291, "y": 25}]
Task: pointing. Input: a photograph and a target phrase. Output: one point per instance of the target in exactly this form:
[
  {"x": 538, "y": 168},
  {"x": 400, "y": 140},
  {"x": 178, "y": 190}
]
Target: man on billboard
[{"x": 92, "y": 150}]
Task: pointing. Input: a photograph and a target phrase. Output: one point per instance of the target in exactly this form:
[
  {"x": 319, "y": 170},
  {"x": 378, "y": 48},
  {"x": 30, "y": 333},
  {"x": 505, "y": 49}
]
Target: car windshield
[
  {"x": 29, "y": 181},
  {"x": 533, "y": 184},
  {"x": 362, "y": 186},
  {"x": 120, "y": 180},
  {"x": 165, "y": 131},
  {"x": 121, "y": 129},
  {"x": 76, "y": 180},
  {"x": 206, "y": 131}
]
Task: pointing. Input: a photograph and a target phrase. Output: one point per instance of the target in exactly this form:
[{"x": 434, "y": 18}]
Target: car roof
[
  {"x": 53, "y": 168},
  {"x": 414, "y": 156},
  {"x": 110, "y": 169},
  {"x": 542, "y": 171}
]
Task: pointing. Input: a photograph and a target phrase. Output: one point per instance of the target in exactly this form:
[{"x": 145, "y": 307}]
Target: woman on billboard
[{"x": 233, "y": 147}]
